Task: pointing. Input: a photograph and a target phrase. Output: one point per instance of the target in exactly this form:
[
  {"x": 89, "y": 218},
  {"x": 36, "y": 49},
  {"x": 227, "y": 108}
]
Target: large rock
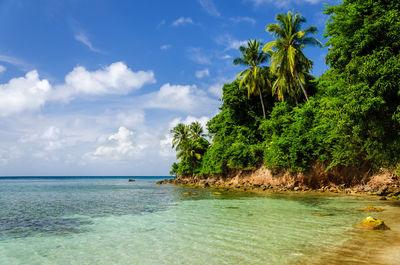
[{"x": 373, "y": 224}]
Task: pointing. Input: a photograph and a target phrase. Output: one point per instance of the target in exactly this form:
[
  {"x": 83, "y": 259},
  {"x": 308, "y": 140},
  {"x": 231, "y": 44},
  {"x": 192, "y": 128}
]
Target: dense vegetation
[{"x": 350, "y": 116}]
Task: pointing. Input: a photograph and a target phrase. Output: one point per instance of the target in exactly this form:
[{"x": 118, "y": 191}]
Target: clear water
[{"x": 113, "y": 221}]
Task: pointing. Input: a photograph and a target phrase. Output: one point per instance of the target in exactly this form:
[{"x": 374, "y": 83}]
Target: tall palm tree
[
  {"x": 288, "y": 61},
  {"x": 254, "y": 78},
  {"x": 195, "y": 130},
  {"x": 181, "y": 134}
]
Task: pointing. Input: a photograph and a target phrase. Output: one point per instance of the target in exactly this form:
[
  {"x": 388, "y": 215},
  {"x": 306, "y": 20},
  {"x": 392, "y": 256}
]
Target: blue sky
[{"x": 93, "y": 87}]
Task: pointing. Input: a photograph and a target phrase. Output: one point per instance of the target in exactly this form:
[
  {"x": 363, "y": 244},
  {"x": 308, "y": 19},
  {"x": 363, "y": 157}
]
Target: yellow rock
[
  {"x": 187, "y": 193},
  {"x": 372, "y": 209},
  {"x": 373, "y": 224},
  {"x": 217, "y": 193}
]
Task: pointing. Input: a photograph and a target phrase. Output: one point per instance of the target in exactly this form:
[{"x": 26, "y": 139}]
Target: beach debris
[
  {"x": 370, "y": 208},
  {"x": 372, "y": 223},
  {"x": 323, "y": 214}
]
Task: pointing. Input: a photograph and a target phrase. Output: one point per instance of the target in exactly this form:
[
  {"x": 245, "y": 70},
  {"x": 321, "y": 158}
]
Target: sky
[{"x": 93, "y": 87}]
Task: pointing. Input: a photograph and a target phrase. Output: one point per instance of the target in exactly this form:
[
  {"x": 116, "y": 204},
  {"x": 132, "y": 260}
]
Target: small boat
[{"x": 131, "y": 180}]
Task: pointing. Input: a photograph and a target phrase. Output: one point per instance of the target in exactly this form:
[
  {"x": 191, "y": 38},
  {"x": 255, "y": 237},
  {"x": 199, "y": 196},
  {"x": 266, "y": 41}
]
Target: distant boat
[{"x": 131, "y": 180}]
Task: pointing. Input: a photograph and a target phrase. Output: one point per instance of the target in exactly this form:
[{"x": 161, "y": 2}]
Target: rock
[
  {"x": 131, "y": 180},
  {"x": 373, "y": 224},
  {"x": 160, "y": 182},
  {"x": 189, "y": 193},
  {"x": 296, "y": 188},
  {"x": 217, "y": 193},
  {"x": 383, "y": 198},
  {"x": 372, "y": 209}
]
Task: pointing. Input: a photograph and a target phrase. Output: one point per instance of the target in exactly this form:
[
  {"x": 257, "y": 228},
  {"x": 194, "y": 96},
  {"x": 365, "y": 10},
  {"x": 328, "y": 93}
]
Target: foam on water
[{"x": 116, "y": 222}]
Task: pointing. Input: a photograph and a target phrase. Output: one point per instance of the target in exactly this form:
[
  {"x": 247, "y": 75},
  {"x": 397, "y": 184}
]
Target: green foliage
[{"x": 352, "y": 117}]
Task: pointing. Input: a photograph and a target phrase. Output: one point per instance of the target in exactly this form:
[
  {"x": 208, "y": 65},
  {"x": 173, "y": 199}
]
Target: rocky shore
[{"x": 338, "y": 180}]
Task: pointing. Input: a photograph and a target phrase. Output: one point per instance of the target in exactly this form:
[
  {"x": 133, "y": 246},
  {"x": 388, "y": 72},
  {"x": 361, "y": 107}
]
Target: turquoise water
[{"x": 113, "y": 221}]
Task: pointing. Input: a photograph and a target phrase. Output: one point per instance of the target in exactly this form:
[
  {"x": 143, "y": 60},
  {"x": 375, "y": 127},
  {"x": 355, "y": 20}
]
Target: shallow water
[{"x": 113, "y": 221}]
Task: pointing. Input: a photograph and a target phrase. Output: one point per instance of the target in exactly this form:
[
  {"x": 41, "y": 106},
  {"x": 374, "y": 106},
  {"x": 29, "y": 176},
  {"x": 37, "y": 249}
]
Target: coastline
[
  {"x": 383, "y": 184},
  {"x": 383, "y": 246}
]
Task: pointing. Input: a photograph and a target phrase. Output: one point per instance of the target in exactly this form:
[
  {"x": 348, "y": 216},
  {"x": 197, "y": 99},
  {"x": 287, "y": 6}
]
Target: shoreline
[
  {"x": 383, "y": 246},
  {"x": 383, "y": 184}
]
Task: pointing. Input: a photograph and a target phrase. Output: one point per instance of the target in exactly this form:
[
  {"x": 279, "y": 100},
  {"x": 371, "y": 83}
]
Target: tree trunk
[
  {"x": 302, "y": 87},
  {"x": 262, "y": 104}
]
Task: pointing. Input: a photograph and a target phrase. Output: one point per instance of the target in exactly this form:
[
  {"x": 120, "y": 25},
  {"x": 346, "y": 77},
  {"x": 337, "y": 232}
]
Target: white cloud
[
  {"x": 165, "y": 47},
  {"x": 29, "y": 93},
  {"x": 116, "y": 78},
  {"x": 119, "y": 146},
  {"x": 161, "y": 24},
  {"x": 81, "y": 37},
  {"x": 198, "y": 55},
  {"x": 15, "y": 61},
  {"x": 2, "y": 69},
  {"x": 202, "y": 73},
  {"x": 216, "y": 88},
  {"x": 243, "y": 19},
  {"x": 178, "y": 97},
  {"x": 23, "y": 94},
  {"x": 282, "y": 3},
  {"x": 230, "y": 43},
  {"x": 209, "y": 7},
  {"x": 182, "y": 21}
]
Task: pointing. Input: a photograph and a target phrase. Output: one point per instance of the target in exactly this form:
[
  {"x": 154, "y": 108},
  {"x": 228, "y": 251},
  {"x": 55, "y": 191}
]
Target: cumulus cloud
[
  {"x": 182, "y": 21},
  {"x": 116, "y": 78},
  {"x": 26, "y": 93},
  {"x": 2, "y": 69},
  {"x": 216, "y": 88},
  {"x": 178, "y": 97},
  {"x": 118, "y": 146},
  {"x": 209, "y": 7},
  {"x": 165, "y": 47},
  {"x": 29, "y": 93},
  {"x": 198, "y": 55},
  {"x": 81, "y": 37},
  {"x": 202, "y": 73}
]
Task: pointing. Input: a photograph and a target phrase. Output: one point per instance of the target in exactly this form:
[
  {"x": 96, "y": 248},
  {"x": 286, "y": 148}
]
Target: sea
[{"x": 109, "y": 220}]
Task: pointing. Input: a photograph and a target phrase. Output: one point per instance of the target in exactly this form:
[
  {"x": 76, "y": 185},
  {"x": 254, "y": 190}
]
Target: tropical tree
[
  {"x": 255, "y": 77},
  {"x": 288, "y": 61},
  {"x": 180, "y": 135},
  {"x": 195, "y": 130}
]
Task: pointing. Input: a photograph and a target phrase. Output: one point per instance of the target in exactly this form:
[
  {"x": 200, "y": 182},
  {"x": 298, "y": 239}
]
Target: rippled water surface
[{"x": 113, "y": 221}]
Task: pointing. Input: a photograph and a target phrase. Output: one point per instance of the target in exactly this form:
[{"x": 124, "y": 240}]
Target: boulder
[
  {"x": 373, "y": 224},
  {"x": 372, "y": 209}
]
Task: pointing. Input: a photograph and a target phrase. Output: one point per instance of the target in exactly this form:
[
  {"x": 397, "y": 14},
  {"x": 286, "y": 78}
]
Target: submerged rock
[
  {"x": 372, "y": 209},
  {"x": 373, "y": 224},
  {"x": 131, "y": 180}
]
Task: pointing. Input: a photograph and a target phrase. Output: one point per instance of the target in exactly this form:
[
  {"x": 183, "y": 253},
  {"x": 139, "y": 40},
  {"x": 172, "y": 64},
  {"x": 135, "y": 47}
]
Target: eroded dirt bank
[{"x": 339, "y": 179}]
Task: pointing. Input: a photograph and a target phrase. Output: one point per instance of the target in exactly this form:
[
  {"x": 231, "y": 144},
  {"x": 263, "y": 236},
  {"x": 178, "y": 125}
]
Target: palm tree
[
  {"x": 288, "y": 61},
  {"x": 254, "y": 78},
  {"x": 181, "y": 134},
  {"x": 195, "y": 130}
]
